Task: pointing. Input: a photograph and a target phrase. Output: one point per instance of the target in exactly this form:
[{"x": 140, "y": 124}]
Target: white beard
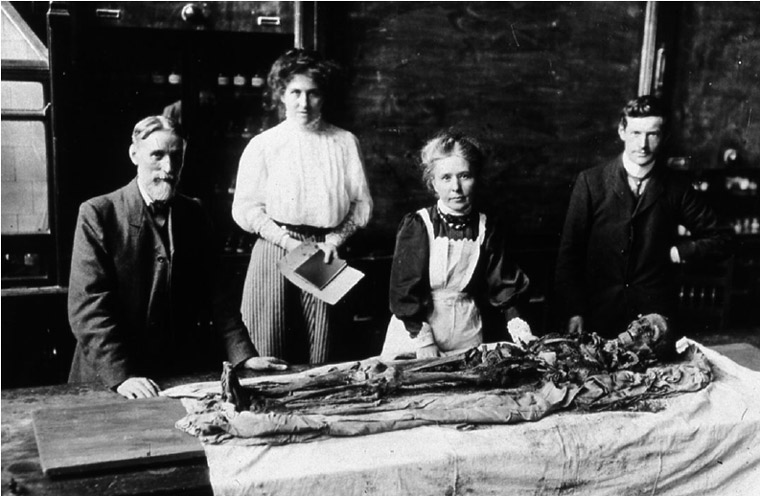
[{"x": 160, "y": 190}]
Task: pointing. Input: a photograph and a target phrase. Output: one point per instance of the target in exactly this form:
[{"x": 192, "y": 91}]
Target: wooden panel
[
  {"x": 112, "y": 435},
  {"x": 541, "y": 83}
]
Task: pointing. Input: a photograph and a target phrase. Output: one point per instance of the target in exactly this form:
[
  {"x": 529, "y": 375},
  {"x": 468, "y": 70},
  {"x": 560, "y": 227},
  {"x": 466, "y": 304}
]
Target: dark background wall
[
  {"x": 716, "y": 82},
  {"x": 540, "y": 83}
]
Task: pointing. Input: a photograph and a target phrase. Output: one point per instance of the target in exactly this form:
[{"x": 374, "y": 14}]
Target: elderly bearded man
[{"x": 142, "y": 289}]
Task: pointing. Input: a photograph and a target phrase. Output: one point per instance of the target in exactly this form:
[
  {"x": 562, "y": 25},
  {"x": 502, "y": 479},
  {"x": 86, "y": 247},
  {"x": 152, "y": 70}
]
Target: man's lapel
[{"x": 616, "y": 181}]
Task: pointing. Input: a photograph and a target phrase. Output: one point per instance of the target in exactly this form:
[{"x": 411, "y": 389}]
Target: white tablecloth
[{"x": 706, "y": 442}]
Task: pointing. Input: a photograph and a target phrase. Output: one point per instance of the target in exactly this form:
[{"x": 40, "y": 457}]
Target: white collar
[
  {"x": 446, "y": 210},
  {"x": 313, "y": 126},
  {"x": 636, "y": 170}
]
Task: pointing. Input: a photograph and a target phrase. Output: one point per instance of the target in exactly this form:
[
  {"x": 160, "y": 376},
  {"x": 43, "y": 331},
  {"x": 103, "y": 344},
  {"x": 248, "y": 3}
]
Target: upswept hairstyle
[
  {"x": 643, "y": 106},
  {"x": 153, "y": 123},
  {"x": 305, "y": 62},
  {"x": 448, "y": 143}
]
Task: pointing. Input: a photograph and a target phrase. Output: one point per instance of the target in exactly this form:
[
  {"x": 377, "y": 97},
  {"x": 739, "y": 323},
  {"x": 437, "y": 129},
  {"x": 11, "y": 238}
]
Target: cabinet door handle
[
  {"x": 192, "y": 13},
  {"x": 108, "y": 13},
  {"x": 268, "y": 20}
]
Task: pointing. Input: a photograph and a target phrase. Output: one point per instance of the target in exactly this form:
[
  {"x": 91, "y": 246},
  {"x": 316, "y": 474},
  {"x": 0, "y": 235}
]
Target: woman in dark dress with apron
[{"x": 450, "y": 260}]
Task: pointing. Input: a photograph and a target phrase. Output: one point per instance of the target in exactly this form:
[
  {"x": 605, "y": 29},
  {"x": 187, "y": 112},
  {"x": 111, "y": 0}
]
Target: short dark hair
[
  {"x": 642, "y": 106},
  {"x": 153, "y": 123},
  {"x": 305, "y": 62},
  {"x": 448, "y": 143}
]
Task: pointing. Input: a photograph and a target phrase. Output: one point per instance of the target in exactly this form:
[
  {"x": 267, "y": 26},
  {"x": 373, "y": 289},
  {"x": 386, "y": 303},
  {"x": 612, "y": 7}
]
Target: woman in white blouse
[{"x": 302, "y": 180}]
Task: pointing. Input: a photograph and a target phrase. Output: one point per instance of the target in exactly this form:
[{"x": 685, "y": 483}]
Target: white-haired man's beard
[{"x": 161, "y": 189}]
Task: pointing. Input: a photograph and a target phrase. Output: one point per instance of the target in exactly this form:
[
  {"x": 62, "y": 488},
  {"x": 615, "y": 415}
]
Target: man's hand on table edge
[
  {"x": 575, "y": 325},
  {"x": 264, "y": 363},
  {"x": 138, "y": 387}
]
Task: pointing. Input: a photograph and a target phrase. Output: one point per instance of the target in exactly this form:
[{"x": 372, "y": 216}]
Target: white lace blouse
[{"x": 302, "y": 175}]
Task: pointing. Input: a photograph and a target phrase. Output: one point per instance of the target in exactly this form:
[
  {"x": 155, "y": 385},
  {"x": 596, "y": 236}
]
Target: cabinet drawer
[{"x": 263, "y": 17}]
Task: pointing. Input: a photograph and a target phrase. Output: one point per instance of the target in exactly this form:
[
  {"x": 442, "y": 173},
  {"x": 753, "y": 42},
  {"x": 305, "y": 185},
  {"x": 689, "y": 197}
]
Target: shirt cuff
[
  {"x": 674, "y": 255},
  {"x": 334, "y": 239}
]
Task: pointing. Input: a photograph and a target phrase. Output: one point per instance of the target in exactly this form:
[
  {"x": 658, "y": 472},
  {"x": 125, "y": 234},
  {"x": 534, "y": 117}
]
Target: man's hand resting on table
[
  {"x": 138, "y": 387},
  {"x": 575, "y": 325},
  {"x": 265, "y": 363}
]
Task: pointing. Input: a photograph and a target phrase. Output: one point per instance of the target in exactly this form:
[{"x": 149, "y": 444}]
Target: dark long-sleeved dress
[{"x": 449, "y": 280}]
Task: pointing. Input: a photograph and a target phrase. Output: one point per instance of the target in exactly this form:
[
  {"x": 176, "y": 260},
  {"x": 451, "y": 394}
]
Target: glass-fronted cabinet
[{"x": 27, "y": 180}]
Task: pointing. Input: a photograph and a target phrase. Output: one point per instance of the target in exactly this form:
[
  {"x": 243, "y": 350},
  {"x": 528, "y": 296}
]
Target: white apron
[{"x": 454, "y": 318}]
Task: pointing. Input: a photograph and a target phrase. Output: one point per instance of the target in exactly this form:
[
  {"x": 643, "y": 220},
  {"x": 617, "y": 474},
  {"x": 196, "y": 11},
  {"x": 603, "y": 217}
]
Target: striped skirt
[{"x": 283, "y": 321}]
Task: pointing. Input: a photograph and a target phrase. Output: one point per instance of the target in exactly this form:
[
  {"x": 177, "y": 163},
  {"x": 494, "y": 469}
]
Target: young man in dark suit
[
  {"x": 620, "y": 244},
  {"x": 142, "y": 290}
]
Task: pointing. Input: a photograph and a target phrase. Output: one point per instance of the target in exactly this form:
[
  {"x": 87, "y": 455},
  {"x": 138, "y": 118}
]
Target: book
[
  {"x": 306, "y": 268},
  {"x": 317, "y": 272}
]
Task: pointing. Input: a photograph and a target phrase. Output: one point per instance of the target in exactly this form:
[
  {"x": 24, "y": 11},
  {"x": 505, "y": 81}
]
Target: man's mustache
[{"x": 167, "y": 179}]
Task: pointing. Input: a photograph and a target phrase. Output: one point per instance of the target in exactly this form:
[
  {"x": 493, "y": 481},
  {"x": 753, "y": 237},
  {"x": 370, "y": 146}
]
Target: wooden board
[{"x": 112, "y": 435}]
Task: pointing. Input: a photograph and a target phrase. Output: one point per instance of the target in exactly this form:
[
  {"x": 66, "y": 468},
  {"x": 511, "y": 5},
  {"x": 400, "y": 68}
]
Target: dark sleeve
[
  {"x": 570, "y": 285},
  {"x": 506, "y": 283},
  {"x": 708, "y": 240},
  {"x": 93, "y": 301},
  {"x": 228, "y": 322},
  {"x": 410, "y": 284}
]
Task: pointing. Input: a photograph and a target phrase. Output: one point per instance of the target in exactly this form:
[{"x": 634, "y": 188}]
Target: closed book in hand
[{"x": 317, "y": 272}]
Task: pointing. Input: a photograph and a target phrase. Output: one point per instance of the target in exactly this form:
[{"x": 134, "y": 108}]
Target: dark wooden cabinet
[
  {"x": 113, "y": 63},
  {"x": 244, "y": 17}
]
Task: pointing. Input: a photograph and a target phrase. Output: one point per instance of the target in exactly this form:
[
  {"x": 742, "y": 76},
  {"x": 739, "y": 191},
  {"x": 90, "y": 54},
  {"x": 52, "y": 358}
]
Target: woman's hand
[
  {"x": 429, "y": 351},
  {"x": 265, "y": 363},
  {"x": 330, "y": 251},
  {"x": 138, "y": 387},
  {"x": 291, "y": 244}
]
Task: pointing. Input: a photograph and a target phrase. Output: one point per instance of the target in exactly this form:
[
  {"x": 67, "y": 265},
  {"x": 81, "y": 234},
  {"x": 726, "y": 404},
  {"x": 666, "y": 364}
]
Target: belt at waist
[
  {"x": 304, "y": 230},
  {"x": 449, "y": 295}
]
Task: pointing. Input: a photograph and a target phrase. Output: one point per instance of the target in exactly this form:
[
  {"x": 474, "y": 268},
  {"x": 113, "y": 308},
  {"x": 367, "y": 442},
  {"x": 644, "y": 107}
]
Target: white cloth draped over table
[{"x": 707, "y": 442}]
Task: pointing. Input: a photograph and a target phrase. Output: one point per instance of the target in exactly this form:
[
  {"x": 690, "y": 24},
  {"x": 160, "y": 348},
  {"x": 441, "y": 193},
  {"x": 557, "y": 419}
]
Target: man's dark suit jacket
[
  {"x": 614, "y": 256},
  {"x": 138, "y": 310}
]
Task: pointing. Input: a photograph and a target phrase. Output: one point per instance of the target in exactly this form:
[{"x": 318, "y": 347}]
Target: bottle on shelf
[
  {"x": 239, "y": 80},
  {"x": 257, "y": 81},
  {"x": 175, "y": 78},
  {"x": 158, "y": 77},
  {"x": 222, "y": 80}
]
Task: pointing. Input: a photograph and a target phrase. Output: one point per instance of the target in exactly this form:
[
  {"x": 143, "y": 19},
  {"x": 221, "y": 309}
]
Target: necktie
[
  {"x": 160, "y": 212},
  {"x": 639, "y": 182}
]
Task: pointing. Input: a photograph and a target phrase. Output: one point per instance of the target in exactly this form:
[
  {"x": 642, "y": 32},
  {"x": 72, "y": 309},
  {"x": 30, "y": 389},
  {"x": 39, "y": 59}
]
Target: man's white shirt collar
[{"x": 636, "y": 170}]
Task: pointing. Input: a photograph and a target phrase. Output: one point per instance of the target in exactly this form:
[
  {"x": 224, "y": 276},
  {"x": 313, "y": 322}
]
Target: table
[{"x": 21, "y": 473}]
